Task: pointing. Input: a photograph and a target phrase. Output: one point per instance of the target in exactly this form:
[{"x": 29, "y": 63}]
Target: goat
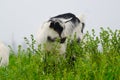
[{"x": 60, "y": 27}]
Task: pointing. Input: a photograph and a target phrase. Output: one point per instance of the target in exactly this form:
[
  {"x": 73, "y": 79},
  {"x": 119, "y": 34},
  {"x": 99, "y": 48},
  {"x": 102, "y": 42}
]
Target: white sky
[{"x": 20, "y": 18}]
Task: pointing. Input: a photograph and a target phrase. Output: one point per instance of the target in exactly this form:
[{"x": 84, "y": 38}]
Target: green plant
[{"x": 83, "y": 61}]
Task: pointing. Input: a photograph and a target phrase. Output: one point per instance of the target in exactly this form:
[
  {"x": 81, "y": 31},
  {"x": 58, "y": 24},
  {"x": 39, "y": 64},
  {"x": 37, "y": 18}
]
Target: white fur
[
  {"x": 4, "y": 55},
  {"x": 68, "y": 31}
]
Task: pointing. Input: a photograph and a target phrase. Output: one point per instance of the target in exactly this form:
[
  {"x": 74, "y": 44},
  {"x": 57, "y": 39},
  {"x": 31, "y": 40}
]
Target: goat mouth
[{"x": 61, "y": 40}]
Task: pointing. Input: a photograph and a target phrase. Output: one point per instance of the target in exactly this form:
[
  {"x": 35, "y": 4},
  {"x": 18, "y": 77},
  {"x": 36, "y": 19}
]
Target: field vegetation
[{"x": 83, "y": 61}]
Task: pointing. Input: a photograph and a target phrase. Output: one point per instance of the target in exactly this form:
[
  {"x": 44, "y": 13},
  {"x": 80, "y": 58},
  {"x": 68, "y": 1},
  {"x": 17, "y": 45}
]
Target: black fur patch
[
  {"x": 63, "y": 40},
  {"x": 57, "y": 27},
  {"x": 83, "y": 25},
  {"x": 74, "y": 19},
  {"x": 65, "y": 16}
]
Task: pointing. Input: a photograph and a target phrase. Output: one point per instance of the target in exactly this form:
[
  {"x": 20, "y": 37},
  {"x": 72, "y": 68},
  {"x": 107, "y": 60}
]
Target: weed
[{"x": 83, "y": 61}]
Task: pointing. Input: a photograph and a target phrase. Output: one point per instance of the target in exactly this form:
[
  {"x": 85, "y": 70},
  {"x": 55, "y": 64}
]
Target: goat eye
[{"x": 52, "y": 25}]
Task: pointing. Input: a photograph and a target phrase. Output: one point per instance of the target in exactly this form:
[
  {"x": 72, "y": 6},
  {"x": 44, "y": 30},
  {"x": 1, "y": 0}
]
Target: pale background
[{"x": 20, "y": 18}]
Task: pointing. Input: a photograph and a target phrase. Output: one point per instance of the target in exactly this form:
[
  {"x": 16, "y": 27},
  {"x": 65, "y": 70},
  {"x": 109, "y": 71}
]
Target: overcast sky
[{"x": 20, "y": 18}]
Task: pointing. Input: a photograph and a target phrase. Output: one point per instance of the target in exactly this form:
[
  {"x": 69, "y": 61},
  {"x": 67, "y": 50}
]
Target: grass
[{"x": 82, "y": 62}]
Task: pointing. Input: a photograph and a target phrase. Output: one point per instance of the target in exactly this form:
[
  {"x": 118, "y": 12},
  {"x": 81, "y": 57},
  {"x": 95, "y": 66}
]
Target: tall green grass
[{"x": 83, "y": 61}]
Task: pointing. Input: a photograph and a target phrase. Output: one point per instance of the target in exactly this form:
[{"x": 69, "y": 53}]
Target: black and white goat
[{"x": 61, "y": 27}]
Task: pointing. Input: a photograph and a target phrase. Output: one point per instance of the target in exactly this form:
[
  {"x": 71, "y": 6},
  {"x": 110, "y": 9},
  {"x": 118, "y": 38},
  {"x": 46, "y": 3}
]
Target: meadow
[{"x": 83, "y": 61}]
